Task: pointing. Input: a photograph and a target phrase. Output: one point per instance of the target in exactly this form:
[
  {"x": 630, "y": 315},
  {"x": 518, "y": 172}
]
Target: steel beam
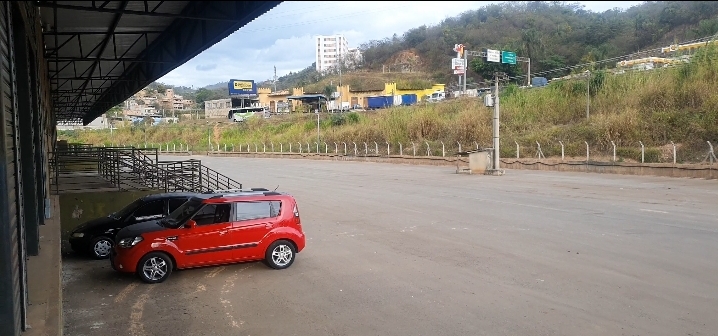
[{"x": 49, "y": 4}]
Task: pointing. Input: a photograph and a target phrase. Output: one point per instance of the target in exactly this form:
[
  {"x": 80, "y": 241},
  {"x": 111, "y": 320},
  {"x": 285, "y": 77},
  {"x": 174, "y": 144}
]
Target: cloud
[
  {"x": 206, "y": 67},
  {"x": 284, "y": 37}
]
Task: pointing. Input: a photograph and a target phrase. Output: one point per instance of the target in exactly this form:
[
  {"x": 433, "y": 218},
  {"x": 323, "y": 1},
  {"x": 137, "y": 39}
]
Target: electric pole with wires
[{"x": 498, "y": 76}]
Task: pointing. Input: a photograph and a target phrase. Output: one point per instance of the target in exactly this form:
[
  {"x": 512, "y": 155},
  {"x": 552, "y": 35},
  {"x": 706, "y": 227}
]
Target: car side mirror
[{"x": 190, "y": 224}]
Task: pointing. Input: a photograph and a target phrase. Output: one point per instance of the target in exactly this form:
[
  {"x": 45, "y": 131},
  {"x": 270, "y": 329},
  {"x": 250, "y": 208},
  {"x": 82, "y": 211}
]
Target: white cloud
[{"x": 283, "y": 37}]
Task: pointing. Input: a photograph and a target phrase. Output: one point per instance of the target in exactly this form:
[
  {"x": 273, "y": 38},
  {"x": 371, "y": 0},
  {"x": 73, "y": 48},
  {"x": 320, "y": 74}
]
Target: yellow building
[{"x": 346, "y": 95}]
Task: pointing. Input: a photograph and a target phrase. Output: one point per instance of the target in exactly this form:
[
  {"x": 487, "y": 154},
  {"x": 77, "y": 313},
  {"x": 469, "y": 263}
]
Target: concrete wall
[
  {"x": 652, "y": 169},
  {"x": 77, "y": 208}
]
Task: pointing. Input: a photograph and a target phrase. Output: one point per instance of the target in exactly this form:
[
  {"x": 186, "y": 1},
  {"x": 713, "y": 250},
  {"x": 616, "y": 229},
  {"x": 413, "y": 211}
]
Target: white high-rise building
[{"x": 330, "y": 51}]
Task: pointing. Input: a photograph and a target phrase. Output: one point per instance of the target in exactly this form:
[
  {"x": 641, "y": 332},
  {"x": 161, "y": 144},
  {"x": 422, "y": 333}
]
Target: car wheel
[
  {"x": 280, "y": 254},
  {"x": 101, "y": 247},
  {"x": 154, "y": 267}
]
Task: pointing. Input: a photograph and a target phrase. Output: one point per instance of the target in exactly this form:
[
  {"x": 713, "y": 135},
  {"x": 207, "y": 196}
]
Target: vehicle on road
[
  {"x": 97, "y": 236},
  {"x": 213, "y": 229}
]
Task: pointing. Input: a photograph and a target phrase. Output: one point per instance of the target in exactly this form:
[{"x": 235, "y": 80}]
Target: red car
[{"x": 213, "y": 229}]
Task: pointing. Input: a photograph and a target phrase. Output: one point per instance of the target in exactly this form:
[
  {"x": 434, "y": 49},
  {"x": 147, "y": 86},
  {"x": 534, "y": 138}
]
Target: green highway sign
[{"x": 508, "y": 57}]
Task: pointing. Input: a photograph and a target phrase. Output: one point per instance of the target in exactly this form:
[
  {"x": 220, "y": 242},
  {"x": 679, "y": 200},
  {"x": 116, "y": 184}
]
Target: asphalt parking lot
[{"x": 419, "y": 250}]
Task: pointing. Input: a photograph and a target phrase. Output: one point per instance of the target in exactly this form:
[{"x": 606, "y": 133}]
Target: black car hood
[
  {"x": 97, "y": 224},
  {"x": 135, "y": 230}
]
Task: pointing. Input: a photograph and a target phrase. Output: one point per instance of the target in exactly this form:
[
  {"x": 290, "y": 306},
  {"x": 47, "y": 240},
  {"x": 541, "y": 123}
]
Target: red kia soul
[{"x": 213, "y": 229}]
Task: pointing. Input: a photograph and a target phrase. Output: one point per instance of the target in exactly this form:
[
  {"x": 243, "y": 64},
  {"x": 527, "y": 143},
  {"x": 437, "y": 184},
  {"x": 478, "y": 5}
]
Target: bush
[{"x": 353, "y": 118}]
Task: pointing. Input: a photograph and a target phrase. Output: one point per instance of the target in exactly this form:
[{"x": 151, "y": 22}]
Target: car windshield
[
  {"x": 183, "y": 213},
  {"x": 128, "y": 210}
]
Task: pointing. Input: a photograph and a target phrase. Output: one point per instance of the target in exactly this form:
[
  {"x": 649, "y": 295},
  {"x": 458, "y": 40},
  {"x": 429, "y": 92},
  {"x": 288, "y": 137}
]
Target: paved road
[{"x": 418, "y": 250}]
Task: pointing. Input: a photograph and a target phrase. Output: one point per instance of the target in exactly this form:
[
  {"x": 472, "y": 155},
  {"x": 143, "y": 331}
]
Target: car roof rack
[{"x": 227, "y": 191}]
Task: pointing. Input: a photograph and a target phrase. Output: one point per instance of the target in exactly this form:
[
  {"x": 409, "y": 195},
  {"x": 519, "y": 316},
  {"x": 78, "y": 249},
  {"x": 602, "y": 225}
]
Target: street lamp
[{"x": 588, "y": 92}]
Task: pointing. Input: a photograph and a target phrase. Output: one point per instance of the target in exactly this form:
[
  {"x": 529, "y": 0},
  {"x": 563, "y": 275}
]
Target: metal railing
[{"x": 81, "y": 167}]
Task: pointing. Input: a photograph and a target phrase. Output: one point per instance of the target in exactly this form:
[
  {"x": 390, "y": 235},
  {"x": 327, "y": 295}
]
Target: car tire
[
  {"x": 101, "y": 247},
  {"x": 280, "y": 254},
  {"x": 154, "y": 267}
]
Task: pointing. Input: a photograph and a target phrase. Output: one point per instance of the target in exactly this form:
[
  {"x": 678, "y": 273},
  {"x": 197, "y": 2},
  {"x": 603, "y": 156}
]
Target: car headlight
[
  {"x": 129, "y": 242},
  {"x": 78, "y": 234}
]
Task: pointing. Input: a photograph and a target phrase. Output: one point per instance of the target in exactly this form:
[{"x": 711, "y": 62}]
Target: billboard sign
[
  {"x": 493, "y": 55},
  {"x": 508, "y": 57},
  {"x": 457, "y": 63},
  {"x": 242, "y": 87},
  {"x": 459, "y": 72}
]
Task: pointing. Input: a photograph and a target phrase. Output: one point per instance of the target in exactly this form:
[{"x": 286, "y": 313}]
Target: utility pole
[
  {"x": 497, "y": 162},
  {"x": 588, "y": 93},
  {"x": 275, "y": 78},
  {"x": 466, "y": 70},
  {"x": 317, "y": 126}
]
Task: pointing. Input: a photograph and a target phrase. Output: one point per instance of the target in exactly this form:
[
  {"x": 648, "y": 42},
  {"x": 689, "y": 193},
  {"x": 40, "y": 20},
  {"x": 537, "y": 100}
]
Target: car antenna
[{"x": 275, "y": 189}]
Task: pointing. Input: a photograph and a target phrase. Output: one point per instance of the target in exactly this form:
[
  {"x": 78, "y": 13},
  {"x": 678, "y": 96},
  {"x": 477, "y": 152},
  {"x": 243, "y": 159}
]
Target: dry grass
[{"x": 677, "y": 104}]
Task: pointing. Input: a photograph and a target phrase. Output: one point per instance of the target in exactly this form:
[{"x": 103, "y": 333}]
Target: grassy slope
[{"x": 677, "y": 104}]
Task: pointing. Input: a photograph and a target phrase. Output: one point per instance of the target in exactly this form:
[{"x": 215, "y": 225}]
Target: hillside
[
  {"x": 655, "y": 107},
  {"x": 552, "y": 34}
]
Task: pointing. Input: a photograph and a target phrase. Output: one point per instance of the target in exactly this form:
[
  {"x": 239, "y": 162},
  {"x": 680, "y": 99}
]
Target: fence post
[
  {"x": 232, "y": 148},
  {"x": 336, "y": 148},
  {"x": 561, "y": 142},
  {"x": 281, "y": 147},
  {"x": 401, "y": 149},
  {"x": 459, "y": 146},
  {"x": 428, "y": 149},
  {"x": 174, "y": 147},
  {"x": 366, "y": 149},
  {"x": 326, "y": 148},
  {"x": 443, "y": 149},
  {"x": 587, "y": 152},
  {"x": 674, "y": 152},
  {"x": 477, "y": 145},
  {"x": 255, "y": 148},
  {"x": 517, "y": 149},
  {"x": 614, "y": 150},
  {"x": 308, "y": 150},
  {"x": 540, "y": 152},
  {"x": 218, "y": 147},
  {"x": 355, "y": 148},
  {"x": 345, "y": 148},
  {"x": 413, "y": 146},
  {"x": 272, "y": 143},
  {"x": 642, "y": 151},
  {"x": 388, "y": 149},
  {"x": 247, "y": 147},
  {"x": 300, "y": 146},
  {"x": 376, "y": 148},
  {"x": 317, "y": 147},
  {"x": 264, "y": 147}
]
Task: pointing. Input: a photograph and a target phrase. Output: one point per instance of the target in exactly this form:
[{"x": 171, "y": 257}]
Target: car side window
[
  {"x": 175, "y": 203},
  {"x": 253, "y": 210},
  {"x": 212, "y": 214},
  {"x": 276, "y": 208},
  {"x": 148, "y": 211}
]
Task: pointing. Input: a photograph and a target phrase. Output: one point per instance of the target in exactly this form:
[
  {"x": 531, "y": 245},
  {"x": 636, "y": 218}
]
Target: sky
[{"x": 284, "y": 36}]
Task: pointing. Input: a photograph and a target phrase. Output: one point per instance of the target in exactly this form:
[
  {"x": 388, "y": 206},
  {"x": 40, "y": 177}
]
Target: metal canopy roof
[{"x": 100, "y": 53}]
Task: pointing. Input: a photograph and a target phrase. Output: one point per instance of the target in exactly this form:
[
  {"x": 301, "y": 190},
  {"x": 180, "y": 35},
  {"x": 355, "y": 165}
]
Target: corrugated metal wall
[
  {"x": 11, "y": 243},
  {"x": 26, "y": 135}
]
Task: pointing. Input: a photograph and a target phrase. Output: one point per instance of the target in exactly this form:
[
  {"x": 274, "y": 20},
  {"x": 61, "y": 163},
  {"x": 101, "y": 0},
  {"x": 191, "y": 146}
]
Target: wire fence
[{"x": 559, "y": 151}]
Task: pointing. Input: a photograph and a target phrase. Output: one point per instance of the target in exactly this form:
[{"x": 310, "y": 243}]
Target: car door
[
  {"x": 208, "y": 241},
  {"x": 252, "y": 222}
]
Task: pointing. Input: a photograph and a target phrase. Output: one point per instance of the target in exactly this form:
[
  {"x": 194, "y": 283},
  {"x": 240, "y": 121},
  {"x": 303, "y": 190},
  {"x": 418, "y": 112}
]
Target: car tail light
[{"x": 296, "y": 214}]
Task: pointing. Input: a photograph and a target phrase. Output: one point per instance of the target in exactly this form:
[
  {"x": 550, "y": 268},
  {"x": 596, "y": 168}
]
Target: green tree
[{"x": 486, "y": 69}]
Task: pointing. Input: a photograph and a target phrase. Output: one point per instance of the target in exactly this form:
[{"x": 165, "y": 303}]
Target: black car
[{"x": 98, "y": 235}]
